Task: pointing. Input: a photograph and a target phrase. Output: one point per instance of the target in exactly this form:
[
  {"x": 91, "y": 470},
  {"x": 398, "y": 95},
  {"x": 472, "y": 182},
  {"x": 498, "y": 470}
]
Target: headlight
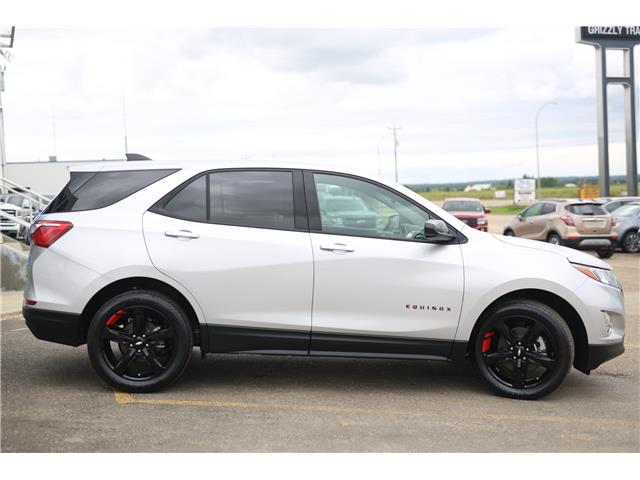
[
  {"x": 599, "y": 274},
  {"x": 482, "y": 221}
]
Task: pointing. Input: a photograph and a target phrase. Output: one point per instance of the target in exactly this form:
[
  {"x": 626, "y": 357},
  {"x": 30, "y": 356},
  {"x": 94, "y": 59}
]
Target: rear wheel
[
  {"x": 140, "y": 341},
  {"x": 606, "y": 252},
  {"x": 524, "y": 349},
  {"x": 630, "y": 242},
  {"x": 554, "y": 238}
]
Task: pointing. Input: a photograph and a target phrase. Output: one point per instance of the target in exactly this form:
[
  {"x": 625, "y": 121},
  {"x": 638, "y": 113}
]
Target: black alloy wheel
[
  {"x": 140, "y": 341},
  {"x": 524, "y": 349}
]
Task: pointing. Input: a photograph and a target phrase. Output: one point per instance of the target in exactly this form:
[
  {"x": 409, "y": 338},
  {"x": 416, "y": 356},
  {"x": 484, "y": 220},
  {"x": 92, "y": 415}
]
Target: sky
[{"x": 465, "y": 99}]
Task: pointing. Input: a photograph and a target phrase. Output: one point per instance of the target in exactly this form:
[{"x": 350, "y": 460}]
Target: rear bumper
[
  {"x": 587, "y": 243},
  {"x": 598, "y": 354},
  {"x": 57, "y": 327}
]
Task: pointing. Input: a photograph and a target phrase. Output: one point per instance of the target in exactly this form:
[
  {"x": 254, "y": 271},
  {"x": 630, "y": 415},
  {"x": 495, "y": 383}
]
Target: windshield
[
  {"x": 462, "y": 206},
  {"x": 15, "y": 199},
  {"x": 628, "y": 211}
]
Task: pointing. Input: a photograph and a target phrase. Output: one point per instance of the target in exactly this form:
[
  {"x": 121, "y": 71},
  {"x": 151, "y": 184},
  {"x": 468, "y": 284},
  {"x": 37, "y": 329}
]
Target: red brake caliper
[
  {"x": 116, "y": 316},
  {"x": 486, "y": 343}
]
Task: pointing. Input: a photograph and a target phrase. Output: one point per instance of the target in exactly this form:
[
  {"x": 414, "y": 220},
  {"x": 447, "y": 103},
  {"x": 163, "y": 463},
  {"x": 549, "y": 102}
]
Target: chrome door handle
[
  {"x": 181, "y": 234},
  {"x": 337, "y": 247}
]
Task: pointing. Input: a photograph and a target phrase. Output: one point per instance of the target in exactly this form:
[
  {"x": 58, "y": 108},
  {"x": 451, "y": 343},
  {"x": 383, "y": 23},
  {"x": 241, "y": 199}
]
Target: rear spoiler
[{"x": 135, "y": 157}]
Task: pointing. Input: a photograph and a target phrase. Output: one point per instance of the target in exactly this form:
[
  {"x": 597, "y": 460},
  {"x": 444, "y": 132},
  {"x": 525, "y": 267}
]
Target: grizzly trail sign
[{"x": 614, "y": 38}]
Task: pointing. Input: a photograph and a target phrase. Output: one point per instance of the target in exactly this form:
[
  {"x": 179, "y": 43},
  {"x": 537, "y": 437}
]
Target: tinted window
[
  {"x": 533, "y": 210},
  {"x": 586, "y": 209},
  {"x": 252, "y": 199},
  {"x": 190, "y": 203},
  {"x": 90, "y": 190},
  {"x": 547, "y": 208},
  {"x": 349, "y": 206}
]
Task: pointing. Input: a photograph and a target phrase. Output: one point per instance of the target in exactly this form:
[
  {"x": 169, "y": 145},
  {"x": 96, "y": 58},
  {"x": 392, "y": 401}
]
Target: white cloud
[{"x": 466, "y": 99}]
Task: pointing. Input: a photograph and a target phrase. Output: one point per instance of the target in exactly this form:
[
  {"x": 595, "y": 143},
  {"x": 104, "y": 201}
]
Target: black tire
[
  {"x": 630, "y": 242},
  {"x": 554, "y": 239},
  {"x": 140, "y": 341},
  {"x": 509, "y": 233},
  {"x": 523, "y": 349},
  {"x": 606, "y": 252}
]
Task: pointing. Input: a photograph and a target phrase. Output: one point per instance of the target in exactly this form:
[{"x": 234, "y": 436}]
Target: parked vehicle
[
  {"x": 615, "y": 203},
  {"x": 469, "y": 210},
  {"x": 584, "y": 225},
  {"x": 142, "y": 262},
  {"x": 627, "y": 226},
  {"x": 347, "y": 213},
  {"x": 9, "y": 226}
]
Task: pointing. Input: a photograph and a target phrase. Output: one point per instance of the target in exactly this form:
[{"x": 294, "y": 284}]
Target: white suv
[{"x": 144, "y": 260}]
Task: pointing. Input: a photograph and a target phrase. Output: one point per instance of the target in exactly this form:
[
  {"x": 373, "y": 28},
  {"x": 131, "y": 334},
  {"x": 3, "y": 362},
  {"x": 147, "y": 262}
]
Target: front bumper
[
  {"x": 598, "y": 354},
  {"x": 57, "y": 327}
]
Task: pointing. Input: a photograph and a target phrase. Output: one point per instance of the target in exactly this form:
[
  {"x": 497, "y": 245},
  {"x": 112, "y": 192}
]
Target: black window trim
[
  {"x": 299, "y": 203},
  {"x": 315, "y": 225}
]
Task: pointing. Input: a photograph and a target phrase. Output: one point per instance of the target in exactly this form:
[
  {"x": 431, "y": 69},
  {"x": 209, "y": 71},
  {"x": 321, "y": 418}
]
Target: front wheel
[
  {"x": 140, "y": 341},
  {"x": 606, "y": 252},
  {"x": 524, "y": 349}
]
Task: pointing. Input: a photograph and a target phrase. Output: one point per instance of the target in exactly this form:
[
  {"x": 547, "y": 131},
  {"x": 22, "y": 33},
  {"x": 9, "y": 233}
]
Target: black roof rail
[{"x": 135, "y": 157}]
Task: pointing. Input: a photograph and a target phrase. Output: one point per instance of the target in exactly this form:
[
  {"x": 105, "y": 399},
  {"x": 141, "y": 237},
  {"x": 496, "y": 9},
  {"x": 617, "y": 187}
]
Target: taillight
[
  {"x": 568, "y": 220},
  {"x": 45, "y": 233}
]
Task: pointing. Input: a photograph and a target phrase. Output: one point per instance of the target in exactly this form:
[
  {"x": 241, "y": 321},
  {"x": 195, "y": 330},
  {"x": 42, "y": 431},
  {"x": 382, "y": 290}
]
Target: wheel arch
[
  {"x": 140, "y": 283},
  {"x": 560, "y": 305}
]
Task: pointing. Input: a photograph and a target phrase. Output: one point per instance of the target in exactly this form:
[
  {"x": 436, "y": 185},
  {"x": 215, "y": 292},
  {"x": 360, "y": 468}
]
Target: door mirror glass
[{"x": 437, "y": 231}]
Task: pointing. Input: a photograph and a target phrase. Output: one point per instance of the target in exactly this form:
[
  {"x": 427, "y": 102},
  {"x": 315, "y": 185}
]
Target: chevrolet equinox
[{"x": 143, "y": 261}]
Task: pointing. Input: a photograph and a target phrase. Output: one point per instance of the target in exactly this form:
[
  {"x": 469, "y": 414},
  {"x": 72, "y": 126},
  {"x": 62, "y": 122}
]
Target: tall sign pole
[{"x": 614, "y": 38}]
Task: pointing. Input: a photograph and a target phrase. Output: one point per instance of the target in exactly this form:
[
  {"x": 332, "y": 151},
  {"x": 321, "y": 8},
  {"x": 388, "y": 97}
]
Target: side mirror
[
  {"x": 487, "y": 210},
  {"x": 436, "y": 231},
  {"x": 520, "y": 217}
]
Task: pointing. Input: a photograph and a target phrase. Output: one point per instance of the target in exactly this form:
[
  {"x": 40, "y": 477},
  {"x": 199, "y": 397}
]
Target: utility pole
[{"x": 395, "y": 129}]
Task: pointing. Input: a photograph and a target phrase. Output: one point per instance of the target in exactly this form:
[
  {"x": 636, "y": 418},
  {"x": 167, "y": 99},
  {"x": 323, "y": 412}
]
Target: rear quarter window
[
  {"x": 586, "y": 209},
  {"x": 93, "y": 190}
]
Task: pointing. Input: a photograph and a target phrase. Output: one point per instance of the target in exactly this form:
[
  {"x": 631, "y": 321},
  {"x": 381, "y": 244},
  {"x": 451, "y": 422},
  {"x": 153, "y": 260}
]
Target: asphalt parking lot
[{"x": 53, "y": 402}]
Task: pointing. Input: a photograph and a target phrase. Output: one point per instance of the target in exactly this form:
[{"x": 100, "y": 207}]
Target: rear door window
[
  {"x": 244, "y": 198},
  {"x": 547, "y": 208},
  {"x": 252, "y": 199},
  {"x": 91, "y": 190}
]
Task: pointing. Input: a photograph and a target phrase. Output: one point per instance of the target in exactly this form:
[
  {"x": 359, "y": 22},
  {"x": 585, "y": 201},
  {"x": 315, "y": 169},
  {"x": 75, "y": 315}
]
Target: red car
[{"x": 469, "y": 210}]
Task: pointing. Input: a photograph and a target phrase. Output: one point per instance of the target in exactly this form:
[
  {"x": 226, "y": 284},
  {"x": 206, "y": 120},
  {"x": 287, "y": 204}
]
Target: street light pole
[{"x": 539, "y": 191}]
